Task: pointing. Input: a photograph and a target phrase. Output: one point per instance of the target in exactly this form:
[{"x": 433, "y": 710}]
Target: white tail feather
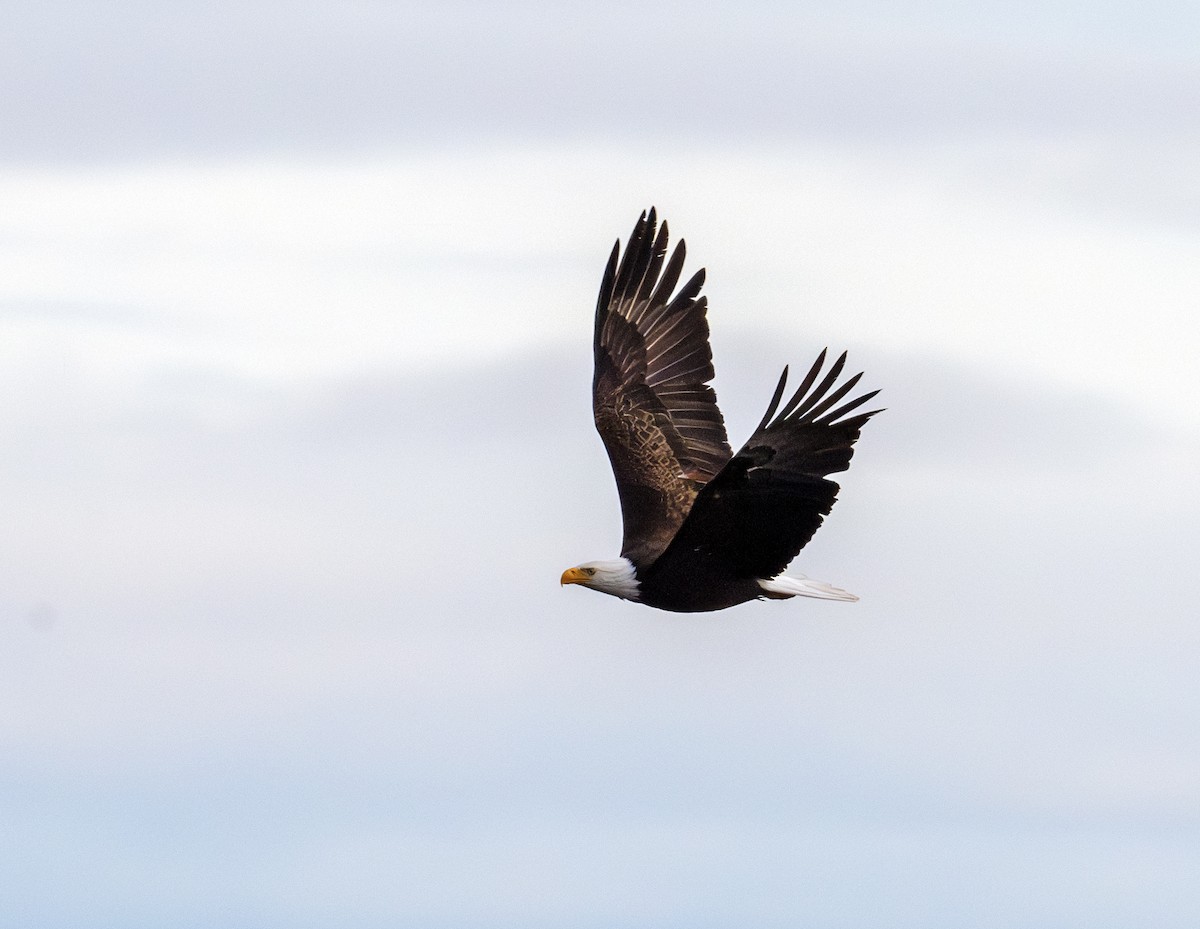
[{"x": 797, "y": 585}]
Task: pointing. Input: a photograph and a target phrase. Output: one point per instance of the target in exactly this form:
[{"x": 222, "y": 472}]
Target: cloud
[
  {"x": 280, "y": 269},
  {"x": 310, "y": 654},
  {"x": 89, "y": 83},
  {"x": 295, "y": 453}
]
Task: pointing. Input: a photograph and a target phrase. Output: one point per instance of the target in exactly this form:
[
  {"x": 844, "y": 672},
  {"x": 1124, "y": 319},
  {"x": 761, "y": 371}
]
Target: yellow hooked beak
[{"x": 575, "y": 576}]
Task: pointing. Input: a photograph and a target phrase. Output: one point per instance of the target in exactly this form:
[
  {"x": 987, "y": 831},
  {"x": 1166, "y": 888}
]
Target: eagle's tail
[{"x": 797, "y": 585}]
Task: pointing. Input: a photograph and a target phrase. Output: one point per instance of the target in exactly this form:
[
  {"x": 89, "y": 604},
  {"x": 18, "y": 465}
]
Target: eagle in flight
[{"x": 704, "y": 529}]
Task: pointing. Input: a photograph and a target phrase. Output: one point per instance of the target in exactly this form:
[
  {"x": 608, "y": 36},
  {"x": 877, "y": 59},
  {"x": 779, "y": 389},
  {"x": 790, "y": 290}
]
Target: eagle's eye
[{"x": 591, "y": 572}]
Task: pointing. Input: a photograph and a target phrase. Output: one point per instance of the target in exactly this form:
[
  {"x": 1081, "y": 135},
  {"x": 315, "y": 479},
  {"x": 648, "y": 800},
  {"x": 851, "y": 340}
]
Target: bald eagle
[{"x": 704, "y": 529}]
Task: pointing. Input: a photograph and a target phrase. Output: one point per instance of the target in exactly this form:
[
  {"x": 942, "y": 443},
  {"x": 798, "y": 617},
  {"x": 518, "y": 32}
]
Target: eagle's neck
[{"x": 617, "y": 577}]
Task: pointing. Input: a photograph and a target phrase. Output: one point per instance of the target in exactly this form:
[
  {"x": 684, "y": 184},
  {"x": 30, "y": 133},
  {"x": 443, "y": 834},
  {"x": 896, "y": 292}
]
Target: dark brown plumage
[{"x": 703, "y": 528}]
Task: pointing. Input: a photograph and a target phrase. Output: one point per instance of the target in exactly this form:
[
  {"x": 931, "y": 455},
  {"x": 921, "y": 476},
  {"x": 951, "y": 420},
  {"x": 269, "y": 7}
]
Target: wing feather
[
  {"x": 653, "y": 407},
  {"x": 771, "y": 497}
]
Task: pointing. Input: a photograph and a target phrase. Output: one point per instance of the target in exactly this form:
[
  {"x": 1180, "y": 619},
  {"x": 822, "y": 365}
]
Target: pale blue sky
[{"x": 295, "y": 305}]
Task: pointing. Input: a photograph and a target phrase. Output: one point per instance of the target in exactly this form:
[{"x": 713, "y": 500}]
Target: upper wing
[
  {"x": 653, "y": 407},
  {"x": 764, "y": 506}
]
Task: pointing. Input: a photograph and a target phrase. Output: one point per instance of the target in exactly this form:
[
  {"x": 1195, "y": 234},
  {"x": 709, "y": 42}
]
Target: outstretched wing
[
  {"x": 650, "y": 396},
  {"x": 755, "y": 516}
]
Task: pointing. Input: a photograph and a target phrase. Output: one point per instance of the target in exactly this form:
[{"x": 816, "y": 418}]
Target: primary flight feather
[{"x": 704, "y": 529}]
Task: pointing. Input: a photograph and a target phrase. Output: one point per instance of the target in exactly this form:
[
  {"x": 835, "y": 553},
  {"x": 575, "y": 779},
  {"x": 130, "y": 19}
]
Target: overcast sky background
[{"x": 294, "y": 401}]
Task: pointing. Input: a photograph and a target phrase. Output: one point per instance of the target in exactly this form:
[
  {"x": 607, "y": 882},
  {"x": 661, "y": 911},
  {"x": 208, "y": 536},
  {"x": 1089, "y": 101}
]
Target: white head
[{"x": 616, "y": 577}]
